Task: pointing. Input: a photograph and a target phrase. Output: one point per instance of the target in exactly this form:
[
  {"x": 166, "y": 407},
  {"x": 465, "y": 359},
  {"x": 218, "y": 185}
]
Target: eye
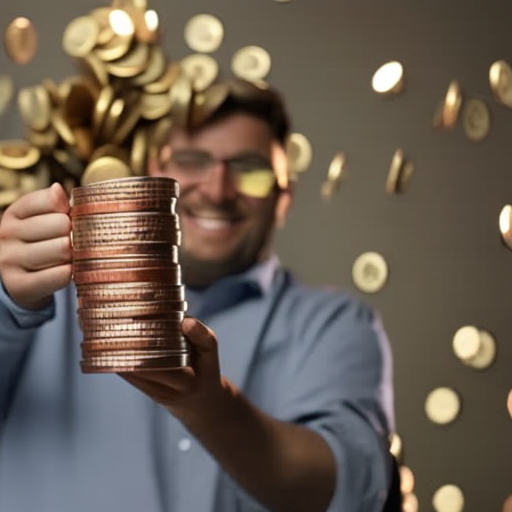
[{"x": 191, "y": 160}]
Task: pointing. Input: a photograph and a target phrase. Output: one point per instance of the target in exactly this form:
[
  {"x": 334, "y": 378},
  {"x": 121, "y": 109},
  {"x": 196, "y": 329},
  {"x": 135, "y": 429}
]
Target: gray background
[{"x": 448, "y": 266}]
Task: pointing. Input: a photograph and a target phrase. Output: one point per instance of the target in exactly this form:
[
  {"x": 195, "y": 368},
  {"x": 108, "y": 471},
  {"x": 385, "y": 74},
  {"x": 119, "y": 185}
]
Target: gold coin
[
  {"x": 105, "y": 168},
  {"x": 396, "y": 446},
  {"x": 165, "y": 81},
  {"x": 180, "y": 98},
  {"x": 53, "y": 91},
  {"x": 405, "y": 176},
  {"x": 9, "y": 178},
  {"x": 101, "y": 15},
  {"x": 370, "y": 272},
  {"x": 127, "y": 4},
  {"x": 500, "y": 78},
  {"x": 200, "y": 69},
  {"x": 111, "y": 120},
  {"x": 154, "y": 106},
  {"x": 35, "y": 180},
  {"x": 388, "y": 79},
  {"x": 6, "y": 92},
  {"x": 442, "y": 405},
  {"x": 18, "y": 154},
  {"x": 505, "y": 225},
  {"x": 410, "y": 503},
  {"x": 110, "y": 150},
  {"x": 139, "y": 153},
  {"x": 509, "y": 403},
  {"x": 448, "y": 498},
  {"x": 476, "y": 120},
  {"x": 8, "y": 197},
  {"x": 62, "y": 128},
  {"x": 204, "y": 104},
  {"x": 452, "y": 105},
  {"x": 299, "y": 152},
  {"x": 80, "y": 36},
  {"x": 84, "y": 142},
  {"x": 251, "y": 63},
  {"x": 93, "y": 67},
  {"x": 45, "y": 140},
  {"x": 128, "y": 120},
  {"x": 77, "y": 99},
  {"x": 132, "y": 64},
  {"x": 466, "y": 342},
  {"x": 147, "y": 30},
  {"x": 103, "y": 104},
  {"x": 20, "y": 40},
  {"x": 116, "y": 48},
  {"x": 204, "y": 33},
  {"x": 155, "y": 68},
  {"x": 35, "y": 107},
  {"x": 395, "y": 169},
  {"x": 406, "y": 480},
  {"x": 334, "y": 175},
  {"x": 121, "y": 22},
  {"x": 486, "y": 354}
]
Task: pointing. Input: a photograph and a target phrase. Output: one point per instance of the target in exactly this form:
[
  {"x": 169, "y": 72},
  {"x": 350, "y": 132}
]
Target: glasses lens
[{"x": 257, "y": 183}]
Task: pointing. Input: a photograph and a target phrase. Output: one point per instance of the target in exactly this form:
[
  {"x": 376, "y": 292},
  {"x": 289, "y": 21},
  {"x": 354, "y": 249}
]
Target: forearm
[{"x": 286, "y": 467}]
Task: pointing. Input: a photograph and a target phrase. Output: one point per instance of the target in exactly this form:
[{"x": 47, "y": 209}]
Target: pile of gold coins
[{"x": 125, "y": 267}]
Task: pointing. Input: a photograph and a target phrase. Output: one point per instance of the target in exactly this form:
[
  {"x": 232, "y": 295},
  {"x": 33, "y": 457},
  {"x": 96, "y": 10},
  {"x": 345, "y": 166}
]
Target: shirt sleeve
[{"x": 341, "y": 387}]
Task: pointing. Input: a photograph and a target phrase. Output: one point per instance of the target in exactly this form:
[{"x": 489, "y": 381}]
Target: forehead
[{"x": 234, "y": 134}]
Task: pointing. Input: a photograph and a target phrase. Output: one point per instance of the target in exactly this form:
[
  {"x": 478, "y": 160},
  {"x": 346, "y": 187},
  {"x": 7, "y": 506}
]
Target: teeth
[{"x": 212, "y": 224}]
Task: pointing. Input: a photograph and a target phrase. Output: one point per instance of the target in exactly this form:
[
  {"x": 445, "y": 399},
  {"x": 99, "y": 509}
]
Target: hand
[
  {"x": 35, "y": 246},
  {"x": 194, "y": 393}
]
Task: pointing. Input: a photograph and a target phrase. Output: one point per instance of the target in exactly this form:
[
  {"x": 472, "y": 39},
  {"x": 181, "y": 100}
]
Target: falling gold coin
[
  {"x": 334, "y": 175},
  {"x": 407, "y": 480},
  {"x": 388, "y": 79},
  {"x": 442, "y": 405},
  {"x": 466, "y": 342},
  {"x": 200, "y": 69},
  {"x": 448, "y": 498},
  {"x": 500, "y": 79},
  {"x": 452, "y": 105},
  {"x": 486, "y": 354},
  {"x": 410, "y": 503},
  {"x": 6, "y": 92},
  {"x": 20, "y": 40},
  {"x": 80, "y": 36},
  {"x": 299, "y": 152},
  {"x": 395, "y": 169},
  {"x": 476, "y": 120},
  {"x": 204, "y": 33},
  {"x": 251, "y": 63},
  {"x": 396, "y": 446},
  {"x": 505, "y": 225},
  {"x": 370, "y": 272}
]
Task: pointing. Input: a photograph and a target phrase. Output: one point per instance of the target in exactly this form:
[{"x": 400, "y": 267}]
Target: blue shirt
[{"x": 80, "y": 442}]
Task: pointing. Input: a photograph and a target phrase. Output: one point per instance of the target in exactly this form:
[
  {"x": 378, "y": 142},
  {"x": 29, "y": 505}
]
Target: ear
[{"x": 283, "y": 203}]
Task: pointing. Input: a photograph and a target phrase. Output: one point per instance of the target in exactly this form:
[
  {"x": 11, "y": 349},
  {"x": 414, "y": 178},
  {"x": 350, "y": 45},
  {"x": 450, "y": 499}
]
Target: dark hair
[{"x": 234, "y": 95}]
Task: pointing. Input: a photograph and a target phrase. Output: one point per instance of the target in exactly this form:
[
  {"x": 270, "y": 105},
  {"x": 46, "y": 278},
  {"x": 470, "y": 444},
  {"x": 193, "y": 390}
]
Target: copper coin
[
  {"x": 167, "y": 363},
  {"x": 90, "y": 320},
  {"x": 154, "y": 261},
  {"x": 165, "y": 275},
  {"x": 169, "y": 251},
  {"x": 101, "y": 334},
  {"x": 132, "y": 185},
  {"x": 20, "y": 40},
  {"x": 146, "y": 220},
  {"x": 99, "y": 296},
  {"x": 177, "y": 341},
  {"x": 159, "y": 204},
  {"x": 103, "y": 239},
  {"x": 168, "y": 324},
  {"x": 132, "y": 310}
]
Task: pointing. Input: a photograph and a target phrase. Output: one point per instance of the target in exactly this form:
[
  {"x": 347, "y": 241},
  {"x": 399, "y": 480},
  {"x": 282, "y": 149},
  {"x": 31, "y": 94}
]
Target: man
[{"x": 287, "y": 403}]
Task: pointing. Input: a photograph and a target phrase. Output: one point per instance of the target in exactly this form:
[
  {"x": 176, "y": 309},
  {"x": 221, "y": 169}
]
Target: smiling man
[{"x": 287, "y": 404}]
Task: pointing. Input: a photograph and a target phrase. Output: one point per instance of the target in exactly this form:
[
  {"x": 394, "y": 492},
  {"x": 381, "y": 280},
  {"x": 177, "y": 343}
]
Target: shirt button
[{"x": 184, "y": 444}]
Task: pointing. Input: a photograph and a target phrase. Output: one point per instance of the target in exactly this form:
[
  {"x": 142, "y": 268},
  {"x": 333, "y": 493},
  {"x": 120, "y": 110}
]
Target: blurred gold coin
[
  {"x": 127, "y": 4},
  {"x": 35, "y": 107},
  {"x": 466, "y": 342},
  {"x": 132, "y": 64},
  {"x": 93, "y": 67},
  {"x": 101, "y": 15},
  {"x": 180, "y": 97},
  {"x": 53, "y": 91},
  {"x": 102, "y": 106},
  {"x": 299, "y": 152},
  {"x": 20, "y": 40},
  {"x": 206, "y": 103},
  {"x": 370, "y": 272},
  {"x": 80, "y": 36},
  {"x": 8, "y": 197},
  {"x": 476, "y": 120},
  {"x": 410, "y": 503},
  {"x": 9, "y": 178},
  {"x": 112, "y": 118},
  {"x": 448, "y": 498},
  {"x": 505, "y": 225},
  {"x": 334, "y": 175},
  {"x": 155, "y": 67},
  {"x": 509, "y": 403},
  {"x": 110, "y": 150},
  {"x": 35, "y": 180},
  {"x": 128, "y": 120},
  {"x": 486, "y": 355},
  {"x": 139, "y": 153},
  {"x": 164, "y": 82},
  {"x": 45, "y": 141},
  {"x": 84, "y": 142},
  {"x": 406, "y": 480},
  {"x": 116, "y": 48},
  {"x": 77, "y": 101},
  {"x": 105, "y": 168},
  {"x": 121, "y": 22},
  {"x": 6, "y": 92},
  {"x": 442, "y": 405},
  {"x": 396, "y": 447},
  {"x": 204, "y": 33},
  {"x": 251, "y": 63},
  {"x": 154, "y": 106},
  {"x": 147, "y": 31},
  {"x": 62, "y": 128},
  {"x": 452, "y": 105},
  {"x": 405, "y": 176},
  {"x": 200, "y": 69},
  {"x": 18, "y": 154},
  {"x": 500, "y": 79},
  {"x": 395, "y": 169},
  {"x": 388, "y": 79}
]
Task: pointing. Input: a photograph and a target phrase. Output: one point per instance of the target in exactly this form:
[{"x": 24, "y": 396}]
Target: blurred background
[{"x": 439, "y": 236}]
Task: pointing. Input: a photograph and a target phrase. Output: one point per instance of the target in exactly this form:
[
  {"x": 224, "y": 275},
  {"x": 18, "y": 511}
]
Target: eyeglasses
[{"x": 253, "y": 174}]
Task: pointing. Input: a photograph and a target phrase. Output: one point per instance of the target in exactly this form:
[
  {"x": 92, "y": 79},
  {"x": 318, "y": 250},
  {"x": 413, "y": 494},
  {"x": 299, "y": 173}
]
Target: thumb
[{"x": 204, "y": 347}]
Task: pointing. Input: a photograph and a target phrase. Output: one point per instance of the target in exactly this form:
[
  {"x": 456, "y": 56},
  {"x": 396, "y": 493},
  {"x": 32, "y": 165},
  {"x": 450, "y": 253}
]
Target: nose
[{"x": 219, "y": 186}]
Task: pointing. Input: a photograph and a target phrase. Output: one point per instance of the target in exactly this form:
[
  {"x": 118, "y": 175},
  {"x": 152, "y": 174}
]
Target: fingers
[
  {"x": 204, "y": 348},
  {"x": 44, "y": 227},
  {"x": 48, "y": 200},
  {"x": 45, "y": 254}
]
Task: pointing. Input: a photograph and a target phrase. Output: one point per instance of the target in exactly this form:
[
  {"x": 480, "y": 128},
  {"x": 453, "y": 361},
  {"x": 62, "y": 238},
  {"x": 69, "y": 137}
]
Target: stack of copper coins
[{"x": 127, "y": 275}]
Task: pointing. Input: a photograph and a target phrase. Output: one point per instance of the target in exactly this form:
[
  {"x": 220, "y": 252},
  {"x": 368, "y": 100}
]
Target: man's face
[{"x": 224, "y": 230}]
